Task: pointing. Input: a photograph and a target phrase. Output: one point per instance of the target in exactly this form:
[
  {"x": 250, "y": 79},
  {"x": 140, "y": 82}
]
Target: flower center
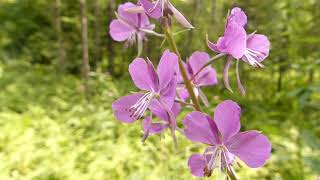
[
  {"x": 218, "y": 158},
  {"x": 140, "y": 107},
  {"x": 252, "y": 57}
]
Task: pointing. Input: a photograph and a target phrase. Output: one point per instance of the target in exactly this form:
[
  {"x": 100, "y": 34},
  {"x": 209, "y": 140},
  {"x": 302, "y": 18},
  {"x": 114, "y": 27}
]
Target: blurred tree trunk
[
  {"x": 85, "y": 53},
  {"x": 57, "y": 18},
  {"x": 110, "y": 49},
  {"x": 97, "y": 28}
]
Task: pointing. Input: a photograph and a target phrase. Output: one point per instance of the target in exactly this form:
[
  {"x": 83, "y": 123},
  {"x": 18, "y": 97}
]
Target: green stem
[
  {"x": 173, "y": 47},
  {"x": 207, "y": 64}
]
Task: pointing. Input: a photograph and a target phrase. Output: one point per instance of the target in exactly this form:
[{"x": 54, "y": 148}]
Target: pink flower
[
  {"x": 225, "y": 141},
  {"x": 252, "y": 49},
  {"x": 130, "y": 26},
  {"x": 158, "y": 88}
]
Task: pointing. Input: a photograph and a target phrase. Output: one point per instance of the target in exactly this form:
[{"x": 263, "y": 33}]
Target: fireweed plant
[{"x": 165, "y": 90}]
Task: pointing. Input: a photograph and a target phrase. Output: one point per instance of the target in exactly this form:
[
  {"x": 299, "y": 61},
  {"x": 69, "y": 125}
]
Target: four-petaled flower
[
  {"x": 225, "y": 141},
  {"x": 162, "y": 8},
  {"x": 199, "y": 77},
  {"x": 157, "y": 88},
  {"x": 130, "y": 26},
  {"x": 252, "y": 48}
]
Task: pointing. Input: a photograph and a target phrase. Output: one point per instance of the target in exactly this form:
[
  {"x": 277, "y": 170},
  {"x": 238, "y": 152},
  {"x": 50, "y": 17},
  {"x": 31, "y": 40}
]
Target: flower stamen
[
  {"x": 252, "y": 58},
  {"x": 139, "y": 108}
]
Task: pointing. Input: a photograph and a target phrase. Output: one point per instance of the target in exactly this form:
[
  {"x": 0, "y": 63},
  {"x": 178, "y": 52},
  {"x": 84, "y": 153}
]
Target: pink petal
[
  {"x": 227, "y": 118},
  {"x": 201, "y": 128},
  {"x": 143, "y": 75},
  {"x": 197, "y": 60},
  {"x": 235, "y": 39},
  {"x": 163, "y": 113},
  {"x": 208, "y": 75},
  {"x": 176, "y": 108},
  {"x": 159, "y": 110},
  {"x": 150, "y": 9},
  {"x": 183, "y": 93},
  {"x": 153, "y": 128},
  {"x": 251, "y": 147},
  {"x": 260, "y": 44},
  {"x": 179, "y": 17},
  {"x": 213, "y": 46},
  {"x": 121, "y": 107},
  {"x": 237, "y": 16},
  {"x": 129, "y": 17},
  {"x": 120, "y": 31},
  {"x": 197, "y": 165},
  {"x": 168, "y": 94},
  {"x": 167, "y": 68}
]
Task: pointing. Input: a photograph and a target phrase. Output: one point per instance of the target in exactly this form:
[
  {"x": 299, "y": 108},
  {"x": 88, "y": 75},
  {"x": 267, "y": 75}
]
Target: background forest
[{"x": 49, "y": 131}]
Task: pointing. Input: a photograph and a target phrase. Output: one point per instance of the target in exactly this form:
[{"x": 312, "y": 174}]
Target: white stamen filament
[
  {"x": 252, "y": 56},
  {"x": 218, "y": 159},
  {"x": 139, "y": 108}
]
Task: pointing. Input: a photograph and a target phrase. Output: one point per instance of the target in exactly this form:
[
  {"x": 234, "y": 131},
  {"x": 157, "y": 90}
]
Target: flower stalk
[{"x": 174, "y": 48}]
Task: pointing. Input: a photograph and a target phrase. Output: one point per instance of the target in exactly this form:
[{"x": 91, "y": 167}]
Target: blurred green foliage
[{"x": 48, "y": 131}]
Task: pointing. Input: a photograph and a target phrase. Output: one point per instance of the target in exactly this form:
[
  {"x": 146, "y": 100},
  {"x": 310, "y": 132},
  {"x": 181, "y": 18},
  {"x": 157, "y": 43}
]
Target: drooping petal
[
  {"x": 227, "y": 118},
  {"x": 143, "y": 74},
  {"x": 237, "y": 16},
  {"x": 212, "y": 46},
  {"x": 121, "y": 107},
  {"x": 240, "y": 86},
  {"x": 179, "y": 17},
  {"x": 153, "y": 128},
  {"x": 259, "y": 43},
  {"x": 120, "y": 31},
  {"x": 167, "y": 68},
  {"x": 159, "y": 110},
  {"x": 226, "y": 74},
  {"x": 200, "y": 127},
  {"x": 197, "y": 165},
  {"x": 251, "y": 147},
  {"x": 235, "y": 39},
  {"x": 152, "y": 9}
]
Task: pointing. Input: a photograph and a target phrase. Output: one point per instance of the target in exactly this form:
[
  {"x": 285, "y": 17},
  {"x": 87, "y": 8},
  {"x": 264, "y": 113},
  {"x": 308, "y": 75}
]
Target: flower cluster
[{"x": 164, "y": 90}]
